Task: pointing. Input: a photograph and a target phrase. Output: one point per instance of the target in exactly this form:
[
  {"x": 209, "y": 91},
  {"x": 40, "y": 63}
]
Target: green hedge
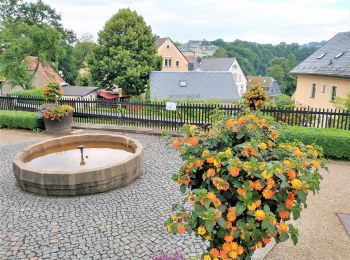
[
  {"x": 35, "y": 92},
  {"x": 335, "y": 142},
  {"x": 20, "y": 119}
]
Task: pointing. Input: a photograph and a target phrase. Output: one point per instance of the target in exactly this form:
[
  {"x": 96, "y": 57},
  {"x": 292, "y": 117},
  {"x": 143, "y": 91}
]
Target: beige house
[
  {"x": 325, "y": 74},
  {"x": 173, "y": 59},
  {"x": 42, "y": 74}
]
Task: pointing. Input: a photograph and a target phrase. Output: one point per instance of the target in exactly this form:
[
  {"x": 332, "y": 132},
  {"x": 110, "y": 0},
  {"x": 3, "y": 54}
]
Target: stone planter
[{"x": 59, "y": 127}]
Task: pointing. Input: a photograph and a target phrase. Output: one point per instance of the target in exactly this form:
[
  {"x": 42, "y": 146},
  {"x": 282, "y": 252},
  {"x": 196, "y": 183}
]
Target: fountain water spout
[{"x": 81, "y": 147}]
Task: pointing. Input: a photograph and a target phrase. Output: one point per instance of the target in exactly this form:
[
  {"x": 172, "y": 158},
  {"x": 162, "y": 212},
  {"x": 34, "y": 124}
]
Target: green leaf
[
  {"x": 183, "y": 188},
  {"x": 221, "y": 222},
  {"x": 271, "y": 229},
  {"x": 257, "y": 234},
  {"x": 302, "y": 196},
  {"x": 207, "y": 203},
  {"x": 294, "y": 238},
  {"x": 240, "y": 208},
  {"x": 265, "y": 224},
  {"x": 209, "y": 225},
  {"x": 284, "y": 237},
  {"x": 266, "y": 208},
  {"x": 296, "y": 213}
]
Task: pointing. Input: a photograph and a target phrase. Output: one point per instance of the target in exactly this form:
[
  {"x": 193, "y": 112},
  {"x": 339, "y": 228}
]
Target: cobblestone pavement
[{"x": 126, "y": 223}]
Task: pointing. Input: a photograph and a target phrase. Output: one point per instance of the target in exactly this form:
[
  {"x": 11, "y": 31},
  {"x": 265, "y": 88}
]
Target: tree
[
  {"x": 126, "y": 53},
  {"x": 21, "y": 40},
  {"x": 280, "y": 70},
  {"x": 220, "y": 53}
]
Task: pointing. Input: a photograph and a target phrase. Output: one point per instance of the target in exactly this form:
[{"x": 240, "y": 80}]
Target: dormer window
[
  {"x": 339, "y": 54},
  {"x": 321, "y": 56},
  {"x": 183, "y": 83}
]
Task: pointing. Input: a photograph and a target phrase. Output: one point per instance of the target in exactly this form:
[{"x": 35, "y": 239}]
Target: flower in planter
[
  {"x": 243, "y": 185},
  {"x": 56, "y": 112}
]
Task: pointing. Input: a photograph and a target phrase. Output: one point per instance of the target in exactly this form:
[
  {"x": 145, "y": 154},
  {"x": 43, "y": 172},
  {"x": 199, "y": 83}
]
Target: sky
[{"x": 263, "y": 21}]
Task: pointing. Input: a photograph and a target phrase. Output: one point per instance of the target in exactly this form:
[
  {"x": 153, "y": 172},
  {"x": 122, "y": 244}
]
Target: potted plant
[{"x": 57, "y": 118}]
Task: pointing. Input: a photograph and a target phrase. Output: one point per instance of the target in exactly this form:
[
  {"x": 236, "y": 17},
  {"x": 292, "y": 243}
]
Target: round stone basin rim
[{"x": 64, "y": 140}]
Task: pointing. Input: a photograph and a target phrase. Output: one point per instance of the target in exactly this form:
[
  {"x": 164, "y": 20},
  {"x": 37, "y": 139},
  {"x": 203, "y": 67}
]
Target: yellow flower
[
  {"x": 296, "y": 184},
  {"x": 263, "y": 146},
  {"x": 228, "y": 151},
  {"x": 233, "y": 254},
  {"x": 192, "y": 127},
  {"x": 211, "y": 195},
  {"x": 278, "y": 170},
  {"x": 191, "y": 197},
  {"x": 266, "y": 175},
  {"x": 259, "y": 214},
  {"x": 206, "y": 257},
  {"x": 251, "y": 207},
  {"x": 316, "y": 164},
  {"x": 201, "y": 230}
]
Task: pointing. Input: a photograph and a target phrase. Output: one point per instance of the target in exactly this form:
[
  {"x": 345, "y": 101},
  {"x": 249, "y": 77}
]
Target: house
[
  {"x": 198, "y": 48},
  {"x": 196, "y": 86},
  {"x": 269, "y": 84},
  {"x": 42, "y": 74},
  {"x": 76, "y": 92},
  {"x": 173, "y": 59},
  {"x": 325, "y": 74},
  {"x": 223, "y": 65}
]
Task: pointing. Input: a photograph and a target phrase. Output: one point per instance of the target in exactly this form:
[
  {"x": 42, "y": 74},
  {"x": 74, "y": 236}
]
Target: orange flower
[
  {"x": 176, "y": 144},
  {"x": 259, "y": 244},
  {"x": 259, "y": 215},
  {"x": 198, "y": 163},
  {"x": 223, "y": 255},
  {"x": 305, "y": 164},
  {"x": 193, "y": 141},
  {"x": 202, "y": 133},
  {"x": 291, "y": 175},
  {"x": 267, "y": 193},
  {"x": 287, "y": 163},
  {"x": 181, "y": 229},
  {"x": 214, "y": 252},
  {"x": 241, "y": 120},
  {"x": 228, "y": 238},
  {"x": 266, "y": 240},
  {"x": 270, "y": 183},
  {"x": 234, "y": 171},
  {"x": 316, "y": 164},
  {"x": 240, "y": 250},
  {"x": 289, "y": 204},
  {"x": 216, "y": 202},
  {"x": 251, "y": 207},
  {"x": 231, "y": 214},
  {"x": 257, "y": 185},
  {"x": 284, "y": 214},
  {"x": 242, "y": 192},
  {"x": 227, "y": 247},
  {"x": 283, "y": 227},
  {"x": 290, "y": 196},
  {"x": 211, "y": 159},
  {"x": 211, "y": 195},
  {"x": 169, "y": 228},
  {"x": 211, "y": 172},
  {"x": 229, "y": 123},
  {"x": 208, "y": 237},
  {"x": 220, "y": 184},
  {"x": 257, "y": 203}
]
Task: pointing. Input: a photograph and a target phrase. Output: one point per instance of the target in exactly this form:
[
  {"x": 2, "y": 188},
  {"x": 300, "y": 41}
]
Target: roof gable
[
  {"x": 44, "y": 70},
  {"x": 261, "y": 81},
  {"x": 215, "y": 64},
  {"x": 78, "y": 91},
  {"x": 332, "y": 59}
]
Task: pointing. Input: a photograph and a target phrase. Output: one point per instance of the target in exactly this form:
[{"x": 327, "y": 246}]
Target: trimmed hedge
[
  {"x": 20, "y": 119},
  {"x": 36, "y": 92},
  {"x": 335, "y": 142}
]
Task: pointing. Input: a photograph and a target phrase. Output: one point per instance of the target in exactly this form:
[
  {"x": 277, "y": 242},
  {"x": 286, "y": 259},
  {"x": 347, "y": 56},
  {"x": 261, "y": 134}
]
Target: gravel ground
[{"x": 126, "y": 223}]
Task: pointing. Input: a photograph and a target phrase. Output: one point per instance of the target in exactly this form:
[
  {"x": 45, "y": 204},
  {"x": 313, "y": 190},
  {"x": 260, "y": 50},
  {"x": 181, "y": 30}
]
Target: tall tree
[
  {"x": 280, "y": 70},
  {"x": 220, "y": 53},
  {"x": 126, "y": 53}
]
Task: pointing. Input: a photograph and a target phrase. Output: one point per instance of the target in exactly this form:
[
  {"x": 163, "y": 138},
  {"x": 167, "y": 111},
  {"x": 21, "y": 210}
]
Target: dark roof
[
  {"x": 199, "y": 86},
  {"x": 160, "y": 41},
  {"x": 215, "y": 64},
  {"x": 326, "y": 60},
  {"x": 78, "y": 91}
]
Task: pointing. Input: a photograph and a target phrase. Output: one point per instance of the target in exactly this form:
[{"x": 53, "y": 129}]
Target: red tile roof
[{"x": 45, "y": 70}]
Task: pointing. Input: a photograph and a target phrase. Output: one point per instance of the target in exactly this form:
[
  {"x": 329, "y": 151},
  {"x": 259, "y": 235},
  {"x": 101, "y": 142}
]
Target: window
[
  {"x": 339, "y": 55},
  {"x": 334, "y": 92},
  {"x": 323, "y": 89},
  {"x": 182, "y": 83},
  {"x": 321, "y": 56},
  {"x": 167, "y": 46},
  {"x": 167, "y": 62},
  {"x": 313, "y": 91},
  {"x": 177, "y": 63}
]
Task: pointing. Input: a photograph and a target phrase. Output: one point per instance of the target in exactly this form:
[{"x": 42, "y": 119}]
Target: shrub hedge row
[
  {"x": 335, "y": 142},
  {"x": 20, "y": 119}
]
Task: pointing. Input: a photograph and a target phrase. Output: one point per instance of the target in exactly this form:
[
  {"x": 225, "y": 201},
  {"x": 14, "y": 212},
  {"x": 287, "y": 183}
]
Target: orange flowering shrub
[{"x": 242, "y": 185}]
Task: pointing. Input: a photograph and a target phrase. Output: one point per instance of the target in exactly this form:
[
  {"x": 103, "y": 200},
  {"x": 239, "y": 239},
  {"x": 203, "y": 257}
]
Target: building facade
[
  {"x": 173, "y": 59},
  {"x": 325, "y": 74},
  {"x": 269, "y": 84}
]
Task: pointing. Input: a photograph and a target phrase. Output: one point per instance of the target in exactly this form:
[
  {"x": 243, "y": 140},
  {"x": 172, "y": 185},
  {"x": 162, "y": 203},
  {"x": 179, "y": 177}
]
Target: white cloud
[{"x": 254, "y": 20}]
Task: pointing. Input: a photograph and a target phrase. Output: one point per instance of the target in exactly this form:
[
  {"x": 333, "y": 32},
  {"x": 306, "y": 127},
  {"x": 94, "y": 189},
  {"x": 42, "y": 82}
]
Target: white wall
[{"x": 239, "y": 77}]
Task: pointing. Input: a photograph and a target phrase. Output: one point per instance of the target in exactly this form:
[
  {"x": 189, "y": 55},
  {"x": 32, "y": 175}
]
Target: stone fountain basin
[{"x": 78, "y": 182}]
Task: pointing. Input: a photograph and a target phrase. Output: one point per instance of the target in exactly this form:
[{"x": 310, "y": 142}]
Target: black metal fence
[{"x": 157, "y": 115}]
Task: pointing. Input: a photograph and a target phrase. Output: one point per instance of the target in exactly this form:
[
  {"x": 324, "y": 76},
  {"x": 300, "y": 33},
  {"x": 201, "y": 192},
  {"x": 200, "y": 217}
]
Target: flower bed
[{"x": 243, "y": 185}]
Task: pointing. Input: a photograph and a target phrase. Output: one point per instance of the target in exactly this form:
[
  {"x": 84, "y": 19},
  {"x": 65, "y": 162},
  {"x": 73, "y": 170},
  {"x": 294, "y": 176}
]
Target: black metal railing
[{"x": 155, "y": 115}]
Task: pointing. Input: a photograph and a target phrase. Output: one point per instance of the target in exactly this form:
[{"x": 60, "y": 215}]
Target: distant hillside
[
  {"x": 314, "y": 44},
  {"x": 255, "y": 58}
]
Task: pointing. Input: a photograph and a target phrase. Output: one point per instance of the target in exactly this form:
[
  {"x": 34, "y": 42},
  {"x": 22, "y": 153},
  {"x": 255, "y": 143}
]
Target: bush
[
  {"x": 255, "y": 97},
  {"x": 20, "y": 119},
  {"x": 243, "y": 184},
  {"x": 36, "y": 92},
  {"x": 281, "y": 101},
  {"x": 335, "y": 142}
]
